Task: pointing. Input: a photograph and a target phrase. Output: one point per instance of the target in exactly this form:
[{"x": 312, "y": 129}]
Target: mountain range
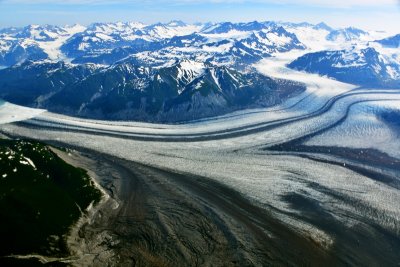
[
  {"x": 177, "y": 71},
  {"x": 365, "y": 67}
]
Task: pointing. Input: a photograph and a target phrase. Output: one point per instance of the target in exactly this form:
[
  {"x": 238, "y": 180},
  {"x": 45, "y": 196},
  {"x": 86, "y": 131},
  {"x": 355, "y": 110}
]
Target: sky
[{"x": 366, "y": 14}]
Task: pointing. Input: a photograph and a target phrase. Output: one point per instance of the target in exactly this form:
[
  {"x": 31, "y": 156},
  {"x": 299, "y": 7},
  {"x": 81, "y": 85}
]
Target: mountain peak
[
  {"x": 322, "y": 26},
  {"x": 176, "y": 23},
  {"x": 392, "y": 42}
]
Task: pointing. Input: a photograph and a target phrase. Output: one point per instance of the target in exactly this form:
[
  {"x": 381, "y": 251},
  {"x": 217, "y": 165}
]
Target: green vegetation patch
[{"x": 41, "y": 196}]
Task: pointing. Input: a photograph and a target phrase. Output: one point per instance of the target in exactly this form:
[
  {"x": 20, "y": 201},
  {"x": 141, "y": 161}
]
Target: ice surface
[
  {"x": 11, "y": 113},
  {"x": 363, "y": 129},
  {"x": 53, "y": 48}
]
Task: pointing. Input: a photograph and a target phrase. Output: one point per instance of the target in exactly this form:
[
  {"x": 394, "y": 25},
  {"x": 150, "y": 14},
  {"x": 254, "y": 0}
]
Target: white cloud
[
  {"x": 342, "y": 3},
  {"x": 323, "y": 3}
]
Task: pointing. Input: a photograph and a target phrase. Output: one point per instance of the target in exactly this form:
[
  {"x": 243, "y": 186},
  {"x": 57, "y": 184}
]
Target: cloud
[
  {"x": 342, "y": 2},
  {"x": 323, "y": 3}
]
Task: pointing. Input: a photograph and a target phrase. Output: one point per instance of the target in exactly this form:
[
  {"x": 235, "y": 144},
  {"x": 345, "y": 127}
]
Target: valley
[{"x": 308, "y": 178}]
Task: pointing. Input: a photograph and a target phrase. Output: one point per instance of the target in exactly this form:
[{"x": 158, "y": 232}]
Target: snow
[
  {"x": 351, "y": 58},
  {"x": 315, "y": 40},
  {"x": 393, "y": 73},
  {"x": 232, "y": 34},
  {"x": 391, "y": 58},
  {"x": 190, "y": 69},
  {"x": 223, "y": 48},
  {"x": 193, "y": 66},
  {"x": 277, "y": 40},
  {"x": 136, "y": 25},
  {"x": 213, "y": 75},
  {"x": 83, "y": 46},
  {"x": 12, "y": 113},
  {"x": 320, "y": 86},
  {"x": 4, "y": 45},
  {"x": 364, "y": 129},
  {"x": 164, "y": 32},
  {"x": 104, "y": 37},
  {"x": 52, "y": 48},
  {"x": 232, "y": 76},
  {"x": 199, "y": 85},
  {"x": 27, "y": 43},
  {"x": 34, "y": 38},
  {"x": 28, "y": 161}
]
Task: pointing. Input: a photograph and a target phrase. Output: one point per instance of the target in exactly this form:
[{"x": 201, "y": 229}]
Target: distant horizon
[
  {"x": 168, "y": 21},
  {"x": 188, "y": 23},
  {"x": 364, "y": 14}
]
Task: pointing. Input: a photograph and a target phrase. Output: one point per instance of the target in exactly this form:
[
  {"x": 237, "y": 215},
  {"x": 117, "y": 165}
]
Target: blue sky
[{"x": 368, "y": 14}]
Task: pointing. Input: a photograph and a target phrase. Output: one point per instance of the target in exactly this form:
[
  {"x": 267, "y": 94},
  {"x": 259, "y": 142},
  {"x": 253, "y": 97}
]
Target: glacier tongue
[{"x": 12, "y": 113}]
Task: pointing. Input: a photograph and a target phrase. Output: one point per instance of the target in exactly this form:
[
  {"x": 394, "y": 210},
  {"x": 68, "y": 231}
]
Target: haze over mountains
[{"x": 177, "y": 71}]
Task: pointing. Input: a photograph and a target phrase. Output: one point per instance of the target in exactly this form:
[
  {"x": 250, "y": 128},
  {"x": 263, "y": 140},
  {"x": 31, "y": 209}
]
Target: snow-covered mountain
[
  {"x": 366, "y": 67},
  {"x": 34, "y": 42},
  {"x": 226, "y": 43},
  {"x": 173, "y": 71},
  {"x": 157, "y": 44},
  {"x": 391, "y": 42},
  {"x": 186, "y": 90},
  {"x": 222, "y": 43},
  {"x": 346, "y": 35},
  {"x": 99, "y": 38}
]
